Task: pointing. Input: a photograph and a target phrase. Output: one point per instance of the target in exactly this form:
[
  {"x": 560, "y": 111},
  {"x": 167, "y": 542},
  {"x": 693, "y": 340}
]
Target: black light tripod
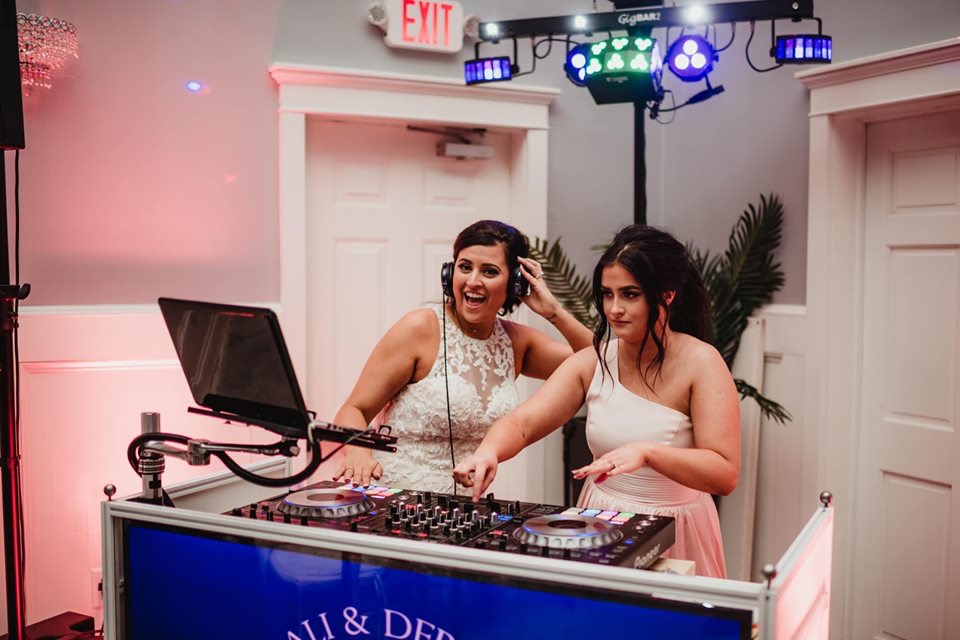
[{"x": 10, "y": 296}]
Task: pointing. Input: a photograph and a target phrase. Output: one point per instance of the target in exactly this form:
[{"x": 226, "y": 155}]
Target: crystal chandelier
[{"x": 46, "y": 44}]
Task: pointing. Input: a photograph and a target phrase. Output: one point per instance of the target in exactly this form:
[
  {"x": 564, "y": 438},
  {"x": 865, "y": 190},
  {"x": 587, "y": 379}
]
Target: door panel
[
  {"x": 907, "y": 558},
  {"x": 383, "y": 210}
]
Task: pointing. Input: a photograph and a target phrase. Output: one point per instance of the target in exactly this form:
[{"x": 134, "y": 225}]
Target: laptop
[
  {"x": 238, "y": 368},
  {"x": 237, "y": 364}
]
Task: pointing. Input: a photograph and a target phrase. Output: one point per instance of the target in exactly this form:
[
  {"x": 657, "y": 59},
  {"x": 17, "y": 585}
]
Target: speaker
[
  {"x": 518, "y": 288},
  {"x": 11, "y": 100}
]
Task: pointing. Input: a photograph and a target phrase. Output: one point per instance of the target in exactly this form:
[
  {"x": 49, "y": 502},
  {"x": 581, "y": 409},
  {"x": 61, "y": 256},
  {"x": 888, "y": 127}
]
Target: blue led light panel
[
  {"x": 803, "y": 49},
  {"x": 487, "y": 70}
]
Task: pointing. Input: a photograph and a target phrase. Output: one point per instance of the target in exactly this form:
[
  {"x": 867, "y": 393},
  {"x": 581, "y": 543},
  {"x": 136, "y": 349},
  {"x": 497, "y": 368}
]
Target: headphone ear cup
[
  {"x": 520, "y": 286},
  {"x": 446, "y": 279}
]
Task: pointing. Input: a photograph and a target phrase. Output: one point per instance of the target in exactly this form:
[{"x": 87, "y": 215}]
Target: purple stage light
[{"x": 691, "y": 58}]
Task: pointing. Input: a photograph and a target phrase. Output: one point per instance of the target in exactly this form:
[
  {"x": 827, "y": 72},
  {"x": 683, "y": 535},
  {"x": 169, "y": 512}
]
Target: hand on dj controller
[
  {"x": 359, "y": 467},
  {"x": 624, "y": 459},
  {"x": 477, "y": 470}
]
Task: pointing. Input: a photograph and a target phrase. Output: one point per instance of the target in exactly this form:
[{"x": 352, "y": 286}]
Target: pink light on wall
[{"x": 46, "y": 44}]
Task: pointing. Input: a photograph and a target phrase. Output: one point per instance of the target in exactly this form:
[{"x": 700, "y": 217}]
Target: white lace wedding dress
[{"x": 482, "y": 385}]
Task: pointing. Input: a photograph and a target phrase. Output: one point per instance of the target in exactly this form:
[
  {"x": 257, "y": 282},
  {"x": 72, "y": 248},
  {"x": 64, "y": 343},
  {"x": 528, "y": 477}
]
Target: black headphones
[{"x": 517, "y": 289}]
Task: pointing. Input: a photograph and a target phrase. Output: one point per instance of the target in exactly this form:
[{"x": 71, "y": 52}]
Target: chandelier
[{"x": 46, "y": 44}]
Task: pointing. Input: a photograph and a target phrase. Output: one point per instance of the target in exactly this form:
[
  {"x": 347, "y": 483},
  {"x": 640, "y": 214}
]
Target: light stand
[
  {"x": 10, "y": 295},
  {"x": 639, "y": 164}
]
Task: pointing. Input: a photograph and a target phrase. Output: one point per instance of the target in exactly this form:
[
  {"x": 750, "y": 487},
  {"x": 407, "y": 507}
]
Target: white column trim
[{"x": 844, "y": 99}]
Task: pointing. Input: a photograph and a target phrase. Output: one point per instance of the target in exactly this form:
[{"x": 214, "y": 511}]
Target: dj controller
[{"x": 583, "y": 535}]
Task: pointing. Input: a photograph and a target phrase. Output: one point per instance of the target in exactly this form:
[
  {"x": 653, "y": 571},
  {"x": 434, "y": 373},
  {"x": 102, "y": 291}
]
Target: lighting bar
[
  {"x": 803, "y": 49},
  {"x": 487, "y": 70},
  {"x": 651, "y": 18}
]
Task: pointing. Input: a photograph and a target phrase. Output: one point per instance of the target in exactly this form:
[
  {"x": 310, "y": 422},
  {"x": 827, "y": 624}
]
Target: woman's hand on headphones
[
  {"x": 541, "y": 299},
  {"x": 359, "y": 467}
]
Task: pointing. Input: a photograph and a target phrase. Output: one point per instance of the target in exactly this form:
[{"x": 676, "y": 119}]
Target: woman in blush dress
[{"x": 663, "y": 413}]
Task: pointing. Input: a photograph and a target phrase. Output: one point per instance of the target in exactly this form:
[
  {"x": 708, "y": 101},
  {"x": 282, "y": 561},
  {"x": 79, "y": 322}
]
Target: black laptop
[{"x": 237, "y": 364}]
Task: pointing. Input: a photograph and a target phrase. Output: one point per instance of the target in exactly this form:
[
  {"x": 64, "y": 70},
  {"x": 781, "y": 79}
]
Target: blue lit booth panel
[
  {"x": 252, "y": 574},
  {"x": 183, "y": 583}
]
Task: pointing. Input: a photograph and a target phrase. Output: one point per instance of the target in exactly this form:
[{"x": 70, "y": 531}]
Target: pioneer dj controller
[{"x": 584, "y": 535}]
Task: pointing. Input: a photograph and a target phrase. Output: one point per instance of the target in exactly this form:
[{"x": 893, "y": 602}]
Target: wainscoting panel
[
  {"x": 781, "y": 509},
  {"x": 86, "y": 374}
]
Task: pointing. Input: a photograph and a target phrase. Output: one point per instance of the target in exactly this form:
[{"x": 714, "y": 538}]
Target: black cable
[
  {"x": 135, "y": 446},
  {"x": 549, "y": 40},
  {"x": 733, "y": 36},
  {"x": 746, "y": 51},
  {"x": 446, "y": 386},
  {"x": 656, "y": 110},
  {"x": 534, "y": 47},
  {"x": 671, "y": 110},
  {"x": 533, "y": 67},
  {"x": 133, "y": 449}
]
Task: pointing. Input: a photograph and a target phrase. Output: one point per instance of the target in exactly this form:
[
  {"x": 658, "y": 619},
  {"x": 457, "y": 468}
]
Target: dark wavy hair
[
  {"x": 659, "y": 264},
  {"x": 488, "y": 233}
]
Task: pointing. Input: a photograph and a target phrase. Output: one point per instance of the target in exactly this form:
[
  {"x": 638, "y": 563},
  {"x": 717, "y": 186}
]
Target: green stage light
[{"x": 622, "y": 69}]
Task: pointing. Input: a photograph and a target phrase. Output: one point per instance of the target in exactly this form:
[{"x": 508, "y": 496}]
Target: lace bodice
[{"x": 482, "y": 384}]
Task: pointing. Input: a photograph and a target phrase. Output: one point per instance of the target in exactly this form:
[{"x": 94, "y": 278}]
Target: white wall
[
  {"x": 131, "y": 186},
  {"x": 85, "y": 377}
]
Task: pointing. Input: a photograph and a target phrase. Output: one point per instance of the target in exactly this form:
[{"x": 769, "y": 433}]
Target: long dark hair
[
  {"x": 487, "y": 233},
  {"x": 659, "y": 264}
]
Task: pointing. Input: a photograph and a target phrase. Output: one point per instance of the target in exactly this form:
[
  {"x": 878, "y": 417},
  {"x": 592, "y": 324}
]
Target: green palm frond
[
  {"x": 573, "y": 291},
  {"x": 747, "y": 275},
  {"x": 769, "y": 408},
  {"x": 741, "y": 281}
]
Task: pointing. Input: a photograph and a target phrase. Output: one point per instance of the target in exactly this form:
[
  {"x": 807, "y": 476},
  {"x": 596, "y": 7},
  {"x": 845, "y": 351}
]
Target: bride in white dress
[{"x": 462, "y": 348}]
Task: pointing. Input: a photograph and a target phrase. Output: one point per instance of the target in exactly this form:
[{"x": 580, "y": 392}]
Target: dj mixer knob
[{"x": 605, "y": 537}]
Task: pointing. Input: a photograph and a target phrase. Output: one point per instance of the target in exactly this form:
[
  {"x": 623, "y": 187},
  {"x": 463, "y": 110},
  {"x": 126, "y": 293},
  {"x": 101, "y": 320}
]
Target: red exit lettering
[{"x": 424, "y": 22}]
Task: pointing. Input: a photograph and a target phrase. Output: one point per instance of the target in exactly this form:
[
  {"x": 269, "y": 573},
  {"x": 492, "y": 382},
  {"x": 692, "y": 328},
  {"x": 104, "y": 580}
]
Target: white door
[
  {"x": 906, "y": 580},
  {"x": 383, "y": 211}
]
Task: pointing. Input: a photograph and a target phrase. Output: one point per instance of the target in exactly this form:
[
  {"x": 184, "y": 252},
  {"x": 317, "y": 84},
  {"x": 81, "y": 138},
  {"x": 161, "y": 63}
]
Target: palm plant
[{"x": 740, "y": 281}]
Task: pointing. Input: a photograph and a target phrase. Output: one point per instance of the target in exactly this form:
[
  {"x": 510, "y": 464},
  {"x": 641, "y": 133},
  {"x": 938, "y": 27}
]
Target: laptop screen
[{"x": 236, "y": 362}]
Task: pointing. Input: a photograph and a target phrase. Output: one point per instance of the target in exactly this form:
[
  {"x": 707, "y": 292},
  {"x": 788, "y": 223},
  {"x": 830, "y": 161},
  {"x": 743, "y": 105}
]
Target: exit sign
[{"x": 425, "y": 25}]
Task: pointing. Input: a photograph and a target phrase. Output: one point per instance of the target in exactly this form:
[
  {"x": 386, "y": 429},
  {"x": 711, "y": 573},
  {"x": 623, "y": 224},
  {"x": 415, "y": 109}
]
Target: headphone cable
[{"x": 446, "y": 385}]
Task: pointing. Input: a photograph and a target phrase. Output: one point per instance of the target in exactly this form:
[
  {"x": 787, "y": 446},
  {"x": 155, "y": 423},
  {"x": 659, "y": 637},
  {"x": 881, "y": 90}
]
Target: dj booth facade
[{"x": 189, "y": 573}]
